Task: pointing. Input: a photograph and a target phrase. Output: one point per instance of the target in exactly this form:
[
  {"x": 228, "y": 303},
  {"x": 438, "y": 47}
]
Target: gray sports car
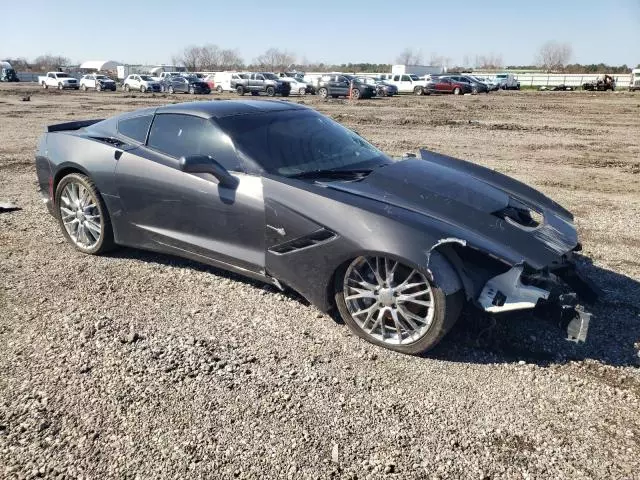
[{"x": 278, "y": 192}]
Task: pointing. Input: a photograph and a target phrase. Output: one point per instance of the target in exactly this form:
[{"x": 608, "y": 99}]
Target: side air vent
[
  {"x": 315, "y": 238},
  {"x": 111, "y": 141}
]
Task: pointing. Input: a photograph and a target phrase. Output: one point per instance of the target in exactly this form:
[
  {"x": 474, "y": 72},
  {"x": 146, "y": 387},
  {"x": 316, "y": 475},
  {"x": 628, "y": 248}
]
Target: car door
[
  {"x": 342, "y": 85},
  {"x": 444, "y": 85},
  {"x": 187, "y": 214},
  {"x": 135, "y": 82}
]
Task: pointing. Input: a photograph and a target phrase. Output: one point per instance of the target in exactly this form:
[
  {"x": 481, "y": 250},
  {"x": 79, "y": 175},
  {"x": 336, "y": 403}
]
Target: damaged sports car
[{"x": 280, "y": 193}]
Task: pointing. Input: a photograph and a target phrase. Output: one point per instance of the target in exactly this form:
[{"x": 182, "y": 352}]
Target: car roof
[{"x": 225, "y": 108}]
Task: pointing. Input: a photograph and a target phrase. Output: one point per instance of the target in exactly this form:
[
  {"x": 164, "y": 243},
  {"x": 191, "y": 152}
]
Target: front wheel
[
  {"x": 302, "y": 91},
  {"x": 143, "y": 89},
  {"x": 395, "y": 305},
  {"x": 323, "y": 92},
  {"x": 82, "y": 215},
  {"x": 355, "y": 94},
  {"x": 240, "y": 90},
  {"x": 418, "y": 91},
  {"x": 98, "y": 87},
  {"x": 60, "y": 86},
  {"x": 84, "y": 87},
  {"x": 457, "y": 91},
  {"x": 192, "y": 91},
  {"x": 172, "y": 90},
  {"x": 270, "y": 91},
  {"x": 127, "y": 87},
  {"x": 219, "y": 89},
  {"x": 44, "y": 85}
]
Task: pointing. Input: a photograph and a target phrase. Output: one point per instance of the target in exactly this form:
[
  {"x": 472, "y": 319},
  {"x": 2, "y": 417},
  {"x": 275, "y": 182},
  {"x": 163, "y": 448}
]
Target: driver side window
[{"x": 179, "y": 135}]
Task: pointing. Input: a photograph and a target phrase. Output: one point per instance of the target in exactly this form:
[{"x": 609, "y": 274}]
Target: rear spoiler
[{"x": 61, "y": 127}]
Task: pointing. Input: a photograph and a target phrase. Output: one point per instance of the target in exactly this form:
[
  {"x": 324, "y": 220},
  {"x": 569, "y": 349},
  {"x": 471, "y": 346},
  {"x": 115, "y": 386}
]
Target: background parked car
[
  {"x": 383, "y": 89},
  {"x": 99, "y": 82},
  {"x": 298, "y": 86},
  {"x": 144, "y": 83},
  {"x": 408, "y": 83},
  {"x": 185, "y": 84},
  {"x": 338, "y": 85},
  {"x": 506, "y": 81},
  {"x": 59, "y": 80},
  {"x": 476, "y": 85},
  {"x": 261, "y": 82},
  {"x": 210, "y": 80},
  {"x": 222, "y": 81},
  {"x": 447, "y": 85}
]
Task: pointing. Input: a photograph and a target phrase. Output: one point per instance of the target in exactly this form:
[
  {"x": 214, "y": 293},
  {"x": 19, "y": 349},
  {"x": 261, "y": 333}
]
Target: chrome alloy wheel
[
  {"x": 80, "y": 215},
  {"x": 389, "y": 301}
]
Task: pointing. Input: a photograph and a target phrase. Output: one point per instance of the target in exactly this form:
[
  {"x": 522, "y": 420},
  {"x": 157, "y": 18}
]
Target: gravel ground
[{"x": 137, "y": 365}]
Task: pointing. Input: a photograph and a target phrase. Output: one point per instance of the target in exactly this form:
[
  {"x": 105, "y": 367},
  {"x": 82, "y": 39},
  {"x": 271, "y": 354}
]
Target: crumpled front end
[{"x": 557, "y": 292}]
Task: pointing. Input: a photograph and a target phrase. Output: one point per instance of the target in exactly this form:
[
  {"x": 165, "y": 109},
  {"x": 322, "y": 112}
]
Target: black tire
[
  {"x": 302, "y": 91},
  {"x": 240, "y": 90},
  {"x": 474, "y": 90},
  {"x": 355, "y": 93},
  {"x": 219, "y": 89},
  {"x": 106, "y": 241},
  {"x": 270, "y": 91},
  {"x": 44, "y": 85},
  {"x": 323, "y": 92},
  {"x": 143, "y": 89},
  {"x": 418, "y": 91},
  {"x": 285, "y": 93},
  {"x": 447, "y": 309},
  {"x": 84, "y": 87},
  {"x": 192, "y": 91}
]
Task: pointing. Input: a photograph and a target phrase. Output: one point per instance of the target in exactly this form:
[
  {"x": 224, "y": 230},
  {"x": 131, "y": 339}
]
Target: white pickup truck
[
  {"x": 407, "y": 83},
  {"x": 59, "y": 80}
]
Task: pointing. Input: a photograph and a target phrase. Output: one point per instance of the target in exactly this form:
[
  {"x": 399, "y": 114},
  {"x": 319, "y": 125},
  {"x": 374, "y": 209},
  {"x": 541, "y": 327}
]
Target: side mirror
[{"x": 206, "y": 164}]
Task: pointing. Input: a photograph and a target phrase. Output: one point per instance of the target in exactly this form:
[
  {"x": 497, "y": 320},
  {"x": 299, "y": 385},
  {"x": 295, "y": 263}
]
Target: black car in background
[
  {"x": 383, "y": 89},
  {"x": 190, "y": 84},
  {"x": 339, "y": 85}
]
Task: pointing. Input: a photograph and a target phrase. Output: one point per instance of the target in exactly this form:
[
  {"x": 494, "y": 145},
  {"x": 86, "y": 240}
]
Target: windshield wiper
[{"x": 333, "y": 173}]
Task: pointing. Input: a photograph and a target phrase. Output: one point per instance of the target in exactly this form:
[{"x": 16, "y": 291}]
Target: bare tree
[
  {"x": 209, "y": 58},
  {"x": 274, "y": 59},
  {"x": 190, "y": 57},
  {"x": 436, "y": 60},
  {"x": 409, "y": 57},
  {"x": 490, "y": 62},
  {"x": 48, "y": 62},
  {"x": 554, "y": 55},
  {"x": 230, "y": 59}
]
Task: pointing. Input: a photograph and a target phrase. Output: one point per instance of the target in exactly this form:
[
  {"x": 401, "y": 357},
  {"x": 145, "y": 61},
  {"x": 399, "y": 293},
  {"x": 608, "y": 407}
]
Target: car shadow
[
  {"x": 174, "y": 261},
  {"x": 613, "y": 338}
]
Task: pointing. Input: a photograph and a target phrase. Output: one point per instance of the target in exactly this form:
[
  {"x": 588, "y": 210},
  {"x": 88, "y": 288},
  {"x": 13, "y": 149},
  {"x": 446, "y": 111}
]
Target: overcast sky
[{"x": 329, "y": 31}]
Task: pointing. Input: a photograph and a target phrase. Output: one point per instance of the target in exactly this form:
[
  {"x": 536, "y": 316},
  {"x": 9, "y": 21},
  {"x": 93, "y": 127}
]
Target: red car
[
  {"x": 209, "y": 81},
  {"x": 447, "y": 85}
]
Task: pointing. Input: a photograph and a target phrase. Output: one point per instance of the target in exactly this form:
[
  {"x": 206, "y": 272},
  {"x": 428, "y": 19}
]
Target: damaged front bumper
[{"x": 556, "y": 294}]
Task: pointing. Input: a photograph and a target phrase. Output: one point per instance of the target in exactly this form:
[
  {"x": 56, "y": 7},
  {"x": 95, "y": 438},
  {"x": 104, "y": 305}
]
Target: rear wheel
[
  {"x": 171, "y": 90},
  {"x": 219, "y": 89},
  {"x": 44, "y": 85},
  {"x": 302, "y": 91},
  {"x": 192, "y": 90},
  {"x": 82, "y": 215},
  {"x": 60, "y": 86},
  {"x": 394, "y": 305},
  {"x": 98, "y": 87},
  {"x": 323, "y": 92},
  {"x": 127, "y": 87},
  {"x": 457, "y": 91},
  {"x": 355, "y": 94},
  {"x": 84, "y": 87}
]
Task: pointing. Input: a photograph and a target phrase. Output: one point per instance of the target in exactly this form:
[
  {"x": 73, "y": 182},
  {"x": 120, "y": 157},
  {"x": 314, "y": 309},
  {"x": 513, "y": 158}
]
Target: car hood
[{"x": 468, "y": 198}]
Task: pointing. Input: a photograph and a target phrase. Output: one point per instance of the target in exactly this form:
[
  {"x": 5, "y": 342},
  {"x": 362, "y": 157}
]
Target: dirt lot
[{"x": 136, "y": 365}]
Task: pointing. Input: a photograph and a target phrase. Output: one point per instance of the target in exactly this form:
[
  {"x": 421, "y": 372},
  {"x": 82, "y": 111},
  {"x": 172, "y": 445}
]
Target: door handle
[{"x": 117, "y": 154}]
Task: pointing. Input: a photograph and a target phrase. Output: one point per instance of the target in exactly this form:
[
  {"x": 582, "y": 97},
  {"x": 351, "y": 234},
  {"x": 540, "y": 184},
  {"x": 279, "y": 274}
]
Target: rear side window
[
  {"x": 136, "y": 127},
  {"x": 180, "y": 135}
]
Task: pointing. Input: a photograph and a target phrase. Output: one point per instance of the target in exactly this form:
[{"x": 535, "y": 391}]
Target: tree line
[{"x": 552, "y": 57}]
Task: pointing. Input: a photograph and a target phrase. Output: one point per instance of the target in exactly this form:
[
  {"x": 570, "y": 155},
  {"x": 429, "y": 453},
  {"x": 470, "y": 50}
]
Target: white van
[{"x": 222, "y": 81}]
